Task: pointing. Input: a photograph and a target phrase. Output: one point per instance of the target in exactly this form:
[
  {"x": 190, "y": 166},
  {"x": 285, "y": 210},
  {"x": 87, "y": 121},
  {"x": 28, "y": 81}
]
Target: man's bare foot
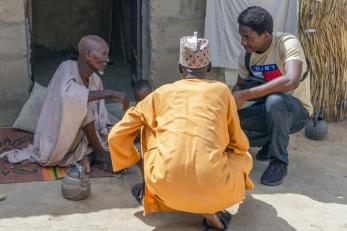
[
  {"x": 218, "y": 221},
  {"x": 103, "y": 161},
  {"x": 213, "y": 220},
  {"x": 85, "y": 163},
  {"x": 99, "y": 157}
]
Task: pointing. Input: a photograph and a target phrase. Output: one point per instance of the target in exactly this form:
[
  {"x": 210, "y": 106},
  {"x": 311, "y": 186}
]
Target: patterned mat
[{"x": 26, "y": 171}]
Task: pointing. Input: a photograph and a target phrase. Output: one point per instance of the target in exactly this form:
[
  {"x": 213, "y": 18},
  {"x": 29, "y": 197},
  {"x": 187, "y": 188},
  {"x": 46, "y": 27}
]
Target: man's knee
[{"x": 276, "y": 104}]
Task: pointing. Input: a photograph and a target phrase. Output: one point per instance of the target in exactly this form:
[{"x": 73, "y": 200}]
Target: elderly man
[
  {"x": 194, "y": 151},
  {"x": 73, "y": 122},
  {"x": 274, "y": 76}
]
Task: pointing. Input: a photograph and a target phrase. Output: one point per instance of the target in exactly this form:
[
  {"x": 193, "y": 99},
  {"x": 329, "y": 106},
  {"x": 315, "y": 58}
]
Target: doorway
[{"x": 57, "y": 27}]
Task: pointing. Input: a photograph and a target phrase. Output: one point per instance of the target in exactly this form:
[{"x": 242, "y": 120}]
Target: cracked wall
[{"x": 14, "y": 77}]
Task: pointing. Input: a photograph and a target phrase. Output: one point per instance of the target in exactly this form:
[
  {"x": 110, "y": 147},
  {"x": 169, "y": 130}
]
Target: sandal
[
  {"x": 138, "y": 191},
  {"x": 123, "y": 172},
  {"x": 225, "y": 218}
]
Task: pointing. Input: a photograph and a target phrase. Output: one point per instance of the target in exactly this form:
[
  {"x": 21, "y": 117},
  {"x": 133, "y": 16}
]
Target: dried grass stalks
[{"x": 326, "y": 50}]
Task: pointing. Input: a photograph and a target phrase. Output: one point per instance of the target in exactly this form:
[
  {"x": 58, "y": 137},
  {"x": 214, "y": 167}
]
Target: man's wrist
[
  {"x": 245, "y": 94},
  {"x": 236, "y": 88},
  {"x": 109, "y": 93}
]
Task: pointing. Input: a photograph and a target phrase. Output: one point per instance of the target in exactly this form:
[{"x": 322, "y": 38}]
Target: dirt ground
[{"x": 312, "y": 197}]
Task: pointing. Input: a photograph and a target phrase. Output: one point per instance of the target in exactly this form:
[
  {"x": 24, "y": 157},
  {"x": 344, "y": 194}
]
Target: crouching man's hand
[{"x": 240, "y": 98}]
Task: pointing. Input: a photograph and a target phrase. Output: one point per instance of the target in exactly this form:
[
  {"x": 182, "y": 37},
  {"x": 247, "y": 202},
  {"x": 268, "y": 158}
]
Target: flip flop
[
  {"x": 225, "y": 218},
  {"x": 123, "y": 172},
  {"x": 138, "y": 191}
]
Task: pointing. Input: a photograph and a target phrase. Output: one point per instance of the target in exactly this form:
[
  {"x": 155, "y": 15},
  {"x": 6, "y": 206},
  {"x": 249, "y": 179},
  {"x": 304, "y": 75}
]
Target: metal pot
[
  {"x": 316, "y": 128},
  {"x": 76, "y": 184}
]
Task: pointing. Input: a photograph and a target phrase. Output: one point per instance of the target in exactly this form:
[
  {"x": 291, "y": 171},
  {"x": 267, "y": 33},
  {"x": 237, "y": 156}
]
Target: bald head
[
  {"x": 90, "y": 43},
  {"x": 93, "y": 54}
]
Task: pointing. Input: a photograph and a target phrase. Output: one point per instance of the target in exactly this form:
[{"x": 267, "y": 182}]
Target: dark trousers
[{"x": 269, "y": 124}]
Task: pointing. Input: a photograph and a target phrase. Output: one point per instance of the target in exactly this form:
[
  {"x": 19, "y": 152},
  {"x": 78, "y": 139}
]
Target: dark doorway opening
[{"x": 57, "y": 27}]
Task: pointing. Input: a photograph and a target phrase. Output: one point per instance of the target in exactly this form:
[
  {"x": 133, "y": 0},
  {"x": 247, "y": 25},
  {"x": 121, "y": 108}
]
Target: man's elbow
[{"x": 292, "y": 84}]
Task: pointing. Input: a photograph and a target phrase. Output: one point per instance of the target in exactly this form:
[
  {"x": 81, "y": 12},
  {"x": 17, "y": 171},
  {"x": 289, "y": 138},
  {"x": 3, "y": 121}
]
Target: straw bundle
[{"x": 323, "y": 35}]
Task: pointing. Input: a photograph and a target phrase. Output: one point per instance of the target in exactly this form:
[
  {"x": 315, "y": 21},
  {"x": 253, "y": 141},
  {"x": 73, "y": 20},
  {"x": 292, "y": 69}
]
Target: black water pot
[{"x": 316, "y": 128}]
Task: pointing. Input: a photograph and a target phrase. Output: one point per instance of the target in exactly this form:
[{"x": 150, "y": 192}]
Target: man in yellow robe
[{"x": 194, "y": 151}]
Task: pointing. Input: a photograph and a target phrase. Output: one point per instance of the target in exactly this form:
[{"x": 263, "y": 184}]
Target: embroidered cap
[{"x": 194, "y": 52}]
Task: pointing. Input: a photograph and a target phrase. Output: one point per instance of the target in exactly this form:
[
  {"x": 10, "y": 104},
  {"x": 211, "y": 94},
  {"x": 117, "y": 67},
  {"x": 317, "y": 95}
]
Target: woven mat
[{"x": 26, "y": 171}]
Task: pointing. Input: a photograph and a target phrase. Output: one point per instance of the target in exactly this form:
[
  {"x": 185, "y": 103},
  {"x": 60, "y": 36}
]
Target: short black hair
[
  {"x": 257, "y": 18},
  {"x": 142, "y": 83}
]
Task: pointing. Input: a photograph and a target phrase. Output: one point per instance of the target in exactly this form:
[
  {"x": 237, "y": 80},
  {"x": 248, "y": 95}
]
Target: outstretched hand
[{"x": 120, "y": 97}]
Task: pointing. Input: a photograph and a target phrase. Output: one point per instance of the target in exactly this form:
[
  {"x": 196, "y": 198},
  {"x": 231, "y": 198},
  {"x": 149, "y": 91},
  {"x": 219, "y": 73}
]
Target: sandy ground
[{"x": 312, "y": 197}]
